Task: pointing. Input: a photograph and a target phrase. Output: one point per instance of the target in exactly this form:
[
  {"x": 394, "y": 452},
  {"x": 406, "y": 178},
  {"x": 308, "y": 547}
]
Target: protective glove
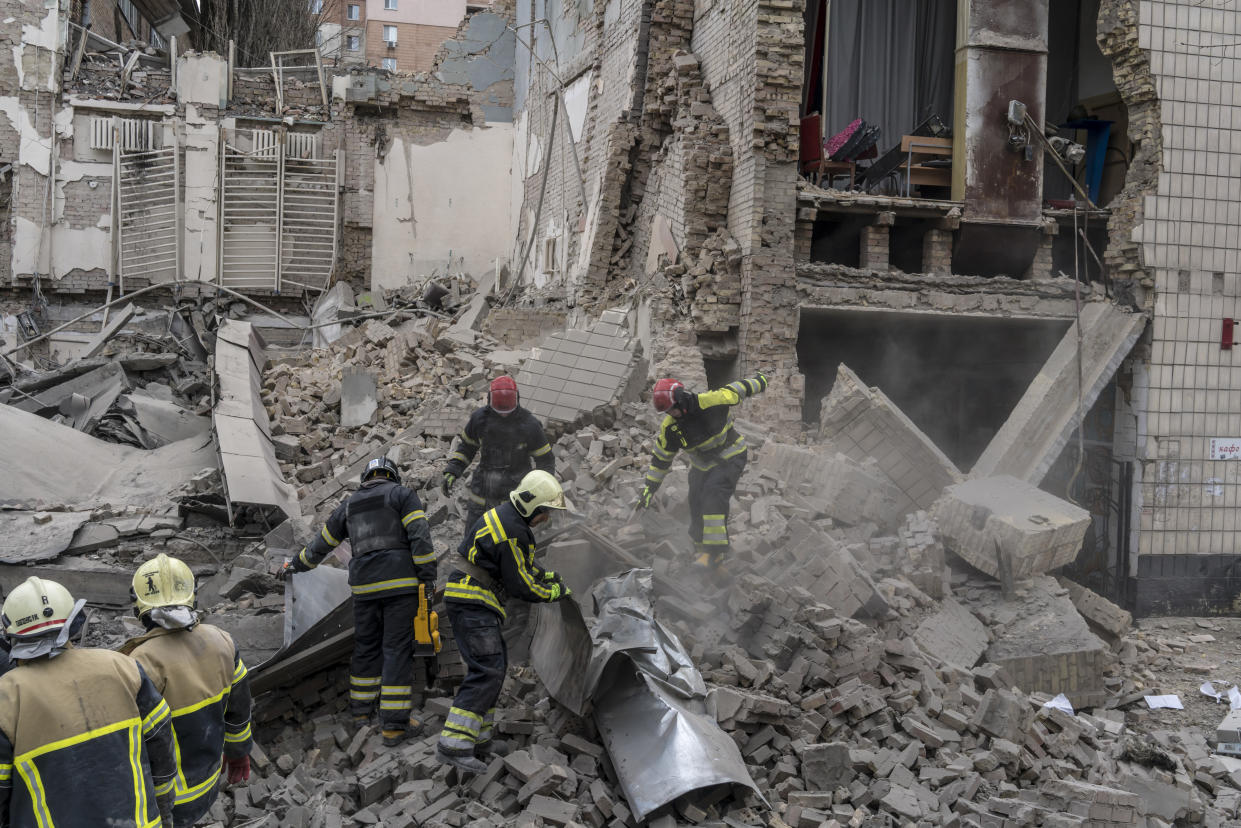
[
  {"x": 283, "y": 573},
  {"x": 549, "y": 575},
  {"x": 644, "y": 498},
  {"x": 238, "y": 770},
  {"x": 165, "y": 804},
  {"x": 449, "y": 479},
  {"x": 686, "y": 401},
  {"x": 560, "y": 591}
]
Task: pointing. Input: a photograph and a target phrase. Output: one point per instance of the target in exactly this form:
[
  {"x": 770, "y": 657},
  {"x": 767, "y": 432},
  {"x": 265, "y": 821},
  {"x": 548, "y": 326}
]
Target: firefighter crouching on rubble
[
  {"x": 392, "y": 555},
  {"x": 197, "y": 669},
  {"x": 494, "y": 564},
  {"x": 702, "y": 426},
  {"x": 511, "y": 441},
  {"x": 85, "y": 738}
]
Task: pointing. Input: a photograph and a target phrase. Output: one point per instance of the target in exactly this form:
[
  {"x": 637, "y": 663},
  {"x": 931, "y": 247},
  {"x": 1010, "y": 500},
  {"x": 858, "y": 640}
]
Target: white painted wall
[{"x": 445, "y": 202}]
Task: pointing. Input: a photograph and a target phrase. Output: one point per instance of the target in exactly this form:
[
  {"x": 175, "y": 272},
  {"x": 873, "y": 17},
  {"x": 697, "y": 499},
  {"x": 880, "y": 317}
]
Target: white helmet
[
  {"x": 38, "y": 618},
  {"x": 162, "y": 582},
  {"x": 538, "y": 488}
]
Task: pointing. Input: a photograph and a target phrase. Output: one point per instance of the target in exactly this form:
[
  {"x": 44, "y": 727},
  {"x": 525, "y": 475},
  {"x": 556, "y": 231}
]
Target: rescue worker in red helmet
[
  {"x": 392, "y": 555},
  {"x": 701, "y": 425},
  {"x": 198, "y": 670},
  {"x": 85, "y": 738},
  {"x": 509, "y": 441}
]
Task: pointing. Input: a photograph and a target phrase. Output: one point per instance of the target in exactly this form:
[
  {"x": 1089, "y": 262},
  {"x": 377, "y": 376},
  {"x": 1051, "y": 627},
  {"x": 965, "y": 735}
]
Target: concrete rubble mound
[{"x": 868, "y": 656}]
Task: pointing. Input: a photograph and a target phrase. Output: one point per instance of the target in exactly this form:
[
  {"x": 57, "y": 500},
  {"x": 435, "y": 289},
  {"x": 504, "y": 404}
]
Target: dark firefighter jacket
[
  {"x": 5, "y": 663},
  {"x": 510, "y": 445},
  {"x": 503, "y": 546},
  {"x": 706, "y": 435},
  {"x": 85, "y": 740},
  {"x": 390, "y": 537},
  {"x": 200, "y": 674}
]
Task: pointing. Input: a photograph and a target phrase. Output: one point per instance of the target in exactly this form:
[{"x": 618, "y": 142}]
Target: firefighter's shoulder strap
[{"x": 476, "y": 572}]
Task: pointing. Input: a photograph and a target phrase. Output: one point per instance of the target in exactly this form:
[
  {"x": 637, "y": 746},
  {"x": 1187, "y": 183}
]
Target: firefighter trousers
[
  {"x": 382, "y": 670},
  {"x": 709, "y": 494},
  {"x": 477, "y": 632}
]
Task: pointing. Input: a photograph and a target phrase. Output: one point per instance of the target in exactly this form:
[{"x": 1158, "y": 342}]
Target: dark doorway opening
[{"x": 957, "y": 377}]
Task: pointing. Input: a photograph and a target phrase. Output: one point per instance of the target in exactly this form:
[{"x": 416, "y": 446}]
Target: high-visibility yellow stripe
[
  {"x": 656, "y": 475},
  {"x": 6, "y": 773},
  {"x": 365, "y": 681},
  {"x": 461, "y": 713},
  {"x": 38, "y": 794},
  {"x": 470, "y": 592},
  {"x": 76, "y": 740},
  {"x": 396, "y": 704},
  {"x": 424, "y": 559},
  {"x": 492, "y": 519},
  {"x": 715, "y": 542},
  {"x": 468, "y": 439},
  {"x": 306, "y": 562},
  {"x": 327, "y": 536},
  {"x": 240, "y": 671},
  {"x": 135, "y": 762},
  {"x": 414, "y": 515},
  {"x": 714, "y": 530},
  {"x": 397, "y": 689},
  {"x": 363, "y": 695},
  {"x": 456, "y": 455},
  {"x": 191, "y": 708},
  {"x": 239, "y": 736},
  {"x": 540, "y": 452},
  {"x": 160, "y": 790},
  {"x": 380, "y": 586},
  {"x": 190, "y": 794},
  {"x": 475, "y": 498},
  {"x": 176, "y": 751},
  {"x": 156, "y": 717}
]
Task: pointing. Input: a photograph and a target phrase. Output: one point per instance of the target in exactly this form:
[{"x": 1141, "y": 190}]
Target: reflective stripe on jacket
[
  {"x": 503, "y": 546},
  {"x": 202, "y": 677},
  {"x": 707, "y": 436},
  {"x": 85, "y": 739},
  {"x": 394, "y": 570},
  {"x": 508, "y": 446}
]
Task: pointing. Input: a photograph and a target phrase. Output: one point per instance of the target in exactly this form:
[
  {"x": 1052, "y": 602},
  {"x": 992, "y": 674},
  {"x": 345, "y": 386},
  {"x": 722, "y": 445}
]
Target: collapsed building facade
[{"x": 668, "y": 156}]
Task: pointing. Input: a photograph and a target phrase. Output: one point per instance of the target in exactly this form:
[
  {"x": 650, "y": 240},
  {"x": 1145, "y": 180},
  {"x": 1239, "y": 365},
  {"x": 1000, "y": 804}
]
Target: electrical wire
[{"x": 1081, "y": 423}]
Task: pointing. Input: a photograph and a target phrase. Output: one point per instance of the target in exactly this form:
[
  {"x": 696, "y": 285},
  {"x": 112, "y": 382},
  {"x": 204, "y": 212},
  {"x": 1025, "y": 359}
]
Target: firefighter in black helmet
[{"x": 392, "y": 555}]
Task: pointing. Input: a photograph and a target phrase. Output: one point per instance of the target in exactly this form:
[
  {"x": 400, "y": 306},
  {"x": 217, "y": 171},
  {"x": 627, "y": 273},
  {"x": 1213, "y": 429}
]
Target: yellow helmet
[
  {"x": 538, "y": 488},
  {"x": 162, "y": 582},
  {"x": 37, "y": 607}
]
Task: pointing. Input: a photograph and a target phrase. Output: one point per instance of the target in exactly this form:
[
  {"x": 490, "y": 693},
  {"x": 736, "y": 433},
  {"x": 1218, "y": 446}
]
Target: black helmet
[{"x": 381, "y": 465}]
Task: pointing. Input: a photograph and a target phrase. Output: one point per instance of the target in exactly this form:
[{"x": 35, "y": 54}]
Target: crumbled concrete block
[
  {"x": 953, "y": 635},
  {"x": 1004, "y": 523}
]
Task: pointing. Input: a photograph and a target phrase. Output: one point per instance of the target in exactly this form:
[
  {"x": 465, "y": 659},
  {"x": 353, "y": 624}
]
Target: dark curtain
[{"x": 890, "y": 62}]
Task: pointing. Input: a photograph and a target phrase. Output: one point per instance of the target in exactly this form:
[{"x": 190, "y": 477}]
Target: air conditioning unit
[
  {"x": 391, "y": 44},
  {"x": 135, "y": 133}
]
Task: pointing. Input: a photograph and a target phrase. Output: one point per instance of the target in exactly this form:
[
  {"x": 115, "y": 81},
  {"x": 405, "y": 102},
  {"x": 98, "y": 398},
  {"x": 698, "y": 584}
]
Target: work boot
[
  {"x": 488, "y": 750},
  {"x": 465, "y": 762},
  {"x": 395, "y": 734},
  {"x": 360, "y": 721}
]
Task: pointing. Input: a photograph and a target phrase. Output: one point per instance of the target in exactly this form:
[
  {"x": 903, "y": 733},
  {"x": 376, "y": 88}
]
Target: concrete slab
[
  {"x": 1041, "y": 424},
  {"x": 953, "y": 635},
  {"x": 1047, "y": 647},
  {"x": 358, "y": 398},
  {"x": 862, "y": 422},
  {"x": 984, "y": 519},
  {"x": 572, "y": 373},
  {"x": 27, "y": 539},
  {"x": 1102, "y": 615},
  {"x": 830, "y": 573},
  {"x": 841, "y": 487}
]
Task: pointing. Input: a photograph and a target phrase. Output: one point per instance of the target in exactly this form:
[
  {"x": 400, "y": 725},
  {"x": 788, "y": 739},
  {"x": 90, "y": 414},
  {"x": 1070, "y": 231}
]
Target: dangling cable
[{"x": 1081, "y": 425}]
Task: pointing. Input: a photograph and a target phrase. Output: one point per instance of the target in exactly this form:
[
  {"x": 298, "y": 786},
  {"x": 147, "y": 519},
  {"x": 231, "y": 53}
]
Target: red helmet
[
  {"x": 662, "y": 395},
  {"x": 503, "y": 395}
]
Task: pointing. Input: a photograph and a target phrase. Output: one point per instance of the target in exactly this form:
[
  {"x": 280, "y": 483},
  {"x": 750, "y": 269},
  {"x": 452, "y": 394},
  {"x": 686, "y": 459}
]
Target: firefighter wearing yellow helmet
[
  {"x": 64, "y": 707},
  {"x": 200, "y": 673}
]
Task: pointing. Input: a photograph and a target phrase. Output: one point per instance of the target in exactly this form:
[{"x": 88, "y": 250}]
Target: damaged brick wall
[{"x": 1131, "y": 68}]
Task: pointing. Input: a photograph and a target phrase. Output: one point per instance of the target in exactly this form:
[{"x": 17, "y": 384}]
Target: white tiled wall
[{"x": 1191, "y": 241}]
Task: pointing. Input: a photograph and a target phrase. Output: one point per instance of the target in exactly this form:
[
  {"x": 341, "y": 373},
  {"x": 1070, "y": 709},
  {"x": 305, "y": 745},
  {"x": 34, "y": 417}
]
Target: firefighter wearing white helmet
[
  {"x": 495, "y": 563},
  {"x": 65, "y": 707},
  {"x": 198, "y": 670}
]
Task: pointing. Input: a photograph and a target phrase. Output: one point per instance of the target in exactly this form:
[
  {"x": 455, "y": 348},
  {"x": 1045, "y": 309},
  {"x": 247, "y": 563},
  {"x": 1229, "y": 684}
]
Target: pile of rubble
[
  {"x": 885, "y": 648},
  {"x": 875, "y": 663}
]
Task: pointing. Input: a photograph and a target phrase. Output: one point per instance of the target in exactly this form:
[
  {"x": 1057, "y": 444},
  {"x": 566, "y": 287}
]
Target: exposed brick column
[
  {"x": 875, "y": 243},
  {"x": 937, "y": 252}
]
